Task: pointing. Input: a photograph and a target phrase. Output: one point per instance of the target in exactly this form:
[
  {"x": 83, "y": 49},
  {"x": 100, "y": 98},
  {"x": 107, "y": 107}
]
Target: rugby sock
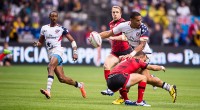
[
  {"x": 124, "y": 94},
  {"x": 79, "y": 85},
  {"x": 141, "y": 89},
  {"x": 106, "y": 73},
  {"x": 2, "y": 55},
  {"x": 166, "y": 86},
  {"x": 49, "y": 82}
]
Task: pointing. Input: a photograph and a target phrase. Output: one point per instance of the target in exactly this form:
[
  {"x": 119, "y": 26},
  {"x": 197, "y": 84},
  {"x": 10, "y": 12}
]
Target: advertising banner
[{"x": 167, "y": 56}]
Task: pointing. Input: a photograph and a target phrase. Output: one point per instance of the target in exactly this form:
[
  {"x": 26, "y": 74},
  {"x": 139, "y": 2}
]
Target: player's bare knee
[
  {"x": 106, "y": 66},
  {"x": 144, "y": 78},
  {"x": 152, "y": 80},
  {"x": 51, "y": 67},
  {"x": 61, "y": 79}
]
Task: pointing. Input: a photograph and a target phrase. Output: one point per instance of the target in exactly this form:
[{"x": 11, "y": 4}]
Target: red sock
[
  {"x": 141, "y": 89},
  {"x": 124, "y": 94},
  {"x": 106, "y": 73},
  {"x": 2, "y": 55}
]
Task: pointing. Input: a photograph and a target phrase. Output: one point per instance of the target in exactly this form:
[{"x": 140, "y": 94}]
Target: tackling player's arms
[{"x": 155, "y": 68}]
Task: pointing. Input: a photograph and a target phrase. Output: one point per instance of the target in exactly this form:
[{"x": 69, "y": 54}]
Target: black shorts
[
  {"x": 117, "y": 81},
  {"x": 117, "y": 54}
]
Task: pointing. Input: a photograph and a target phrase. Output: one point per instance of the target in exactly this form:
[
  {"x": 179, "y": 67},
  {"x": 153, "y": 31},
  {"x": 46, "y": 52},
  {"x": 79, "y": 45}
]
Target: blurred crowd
[{"x": 171, "y": 22}]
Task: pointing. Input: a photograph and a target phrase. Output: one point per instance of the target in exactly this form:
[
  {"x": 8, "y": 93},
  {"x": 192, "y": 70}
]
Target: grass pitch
[{"x": 19, "y": 90}]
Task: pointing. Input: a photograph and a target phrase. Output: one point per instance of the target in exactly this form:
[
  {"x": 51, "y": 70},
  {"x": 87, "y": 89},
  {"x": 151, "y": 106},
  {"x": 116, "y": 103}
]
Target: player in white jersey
[
  {"x": 137, "y": 35},
  {"x": 52, "y": 34}
]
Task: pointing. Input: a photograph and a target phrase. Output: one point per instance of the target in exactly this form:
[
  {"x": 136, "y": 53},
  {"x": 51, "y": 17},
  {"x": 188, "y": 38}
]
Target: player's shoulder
[
  {"x": 46, "y": 26},
  {"x": 143, "y": 26},
  {"x": 125, "y": 24},
  {"x": 117, "y": 22},
  {"x": 61, "y": 27},
  {"x": 122, "y": 20}
]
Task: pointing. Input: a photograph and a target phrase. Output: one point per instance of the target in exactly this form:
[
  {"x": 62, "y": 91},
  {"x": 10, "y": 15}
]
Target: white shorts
[
  {"x": 147, "y": 50},
  {"x": 58, "y": 51}
]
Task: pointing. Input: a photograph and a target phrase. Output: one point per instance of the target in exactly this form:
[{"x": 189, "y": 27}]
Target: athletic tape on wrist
[
  {"x": 73, "y": 44},
  {"x": 133, "y": 53},
  {"x": 75, "y": 52},
  {"x": 162, "y": 67}
]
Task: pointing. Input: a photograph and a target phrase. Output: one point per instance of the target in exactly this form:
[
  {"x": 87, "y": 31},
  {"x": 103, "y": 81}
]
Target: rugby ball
[{"x": 95, "y": 39}]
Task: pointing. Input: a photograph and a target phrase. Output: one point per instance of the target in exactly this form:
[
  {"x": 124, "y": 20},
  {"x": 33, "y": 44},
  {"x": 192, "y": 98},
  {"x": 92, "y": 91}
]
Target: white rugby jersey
[
  {"x": 53, "y": 35},
  {"x": 133, "y": 35}
]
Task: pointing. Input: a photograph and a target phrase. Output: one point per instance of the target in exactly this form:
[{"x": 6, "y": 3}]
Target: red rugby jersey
[
  {"x": 118, "y": 46},
  {"x": 128, "y": 66}
]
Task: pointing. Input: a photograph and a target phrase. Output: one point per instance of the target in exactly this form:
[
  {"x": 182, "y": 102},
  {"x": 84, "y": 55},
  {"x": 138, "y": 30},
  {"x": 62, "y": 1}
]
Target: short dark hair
[
  {"x": 134, "y": 14},
  {"x": 140, "y": 53},
  {"x": 53, "y": 12}
]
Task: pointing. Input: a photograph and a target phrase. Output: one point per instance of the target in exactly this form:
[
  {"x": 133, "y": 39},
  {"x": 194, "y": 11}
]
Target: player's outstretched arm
[
  {"x": 40, "y": 42},
  {"x": 155, "y": 68},
  {"x": 106, "y": 34},
  {"x": 120, "y": 37}
]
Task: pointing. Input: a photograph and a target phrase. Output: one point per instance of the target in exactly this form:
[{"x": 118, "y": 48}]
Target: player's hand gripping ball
[{"x": 95, "y": 39}]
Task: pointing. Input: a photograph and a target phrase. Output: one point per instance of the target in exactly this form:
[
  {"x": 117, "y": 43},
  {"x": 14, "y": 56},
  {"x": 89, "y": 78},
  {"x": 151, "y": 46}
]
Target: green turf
[{"x": 19, "y": 90}]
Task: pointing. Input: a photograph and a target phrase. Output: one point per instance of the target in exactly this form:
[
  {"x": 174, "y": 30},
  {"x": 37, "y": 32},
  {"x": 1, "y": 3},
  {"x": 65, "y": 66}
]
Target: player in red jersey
[
  {"x": 124, "y": 75},
  {"x": 118, "y": 48}
]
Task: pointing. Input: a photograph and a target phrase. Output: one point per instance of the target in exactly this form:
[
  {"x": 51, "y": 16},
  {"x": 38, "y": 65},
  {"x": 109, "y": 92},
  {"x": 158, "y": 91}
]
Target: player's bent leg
[
  {"x": 52, "y": 65},
  {"x": 135, "y": 78},
  {"x": 154, "y": 87},
  {"x": 67, "y": 80},
  {"x": 50, "y": 68},
  {"x": 110, "y": 61},
  {"x": 141, "y": 80},
  {"x": 155, "y": 81}
]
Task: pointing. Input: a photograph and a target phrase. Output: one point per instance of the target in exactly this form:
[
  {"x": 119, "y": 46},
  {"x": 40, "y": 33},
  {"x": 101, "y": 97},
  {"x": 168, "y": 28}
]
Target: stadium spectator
[
  {"x": 158, "y": 14},
  {"x": 156, "y": 35},
  {"x": 52, "y": 35},
  {"x": 6, "y": 54},
  {"x": 183, "y": 9},
  {"x": 3, "y": 55},
  {"x": 196, "y": 36},
  {"x": 193, "y": 30},
  {"x": 16, "y": 27},
  {"x": 4, "y": 27},
  {"x": 167, "y": 38}
]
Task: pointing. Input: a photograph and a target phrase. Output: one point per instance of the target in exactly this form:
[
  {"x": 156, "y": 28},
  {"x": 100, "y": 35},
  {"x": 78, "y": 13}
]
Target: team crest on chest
[
  {"x": 138, "y": 33},
  {"x": 57, "y": 30}
]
